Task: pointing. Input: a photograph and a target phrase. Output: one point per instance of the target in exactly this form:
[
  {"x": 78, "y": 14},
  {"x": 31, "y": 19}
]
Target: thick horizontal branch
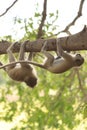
[{"x": 70, "y": 43}]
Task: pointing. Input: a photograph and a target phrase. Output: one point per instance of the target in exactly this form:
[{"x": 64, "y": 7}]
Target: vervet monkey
[
  {"x": 22, "y": 72},
  {"x": 62, "y": 63}
]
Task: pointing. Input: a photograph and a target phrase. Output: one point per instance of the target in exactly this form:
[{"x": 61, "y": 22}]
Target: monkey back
[{"x": 19, "y": 73}]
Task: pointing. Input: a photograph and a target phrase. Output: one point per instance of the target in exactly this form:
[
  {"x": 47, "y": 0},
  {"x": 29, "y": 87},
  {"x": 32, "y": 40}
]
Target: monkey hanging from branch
[
  {"x": 22, "y": 72},
  {"x": 62, "y": 63}
]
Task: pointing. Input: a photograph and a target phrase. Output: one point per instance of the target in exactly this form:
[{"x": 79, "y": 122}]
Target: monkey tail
[
  {"x": 36, "y": 64},
  {"x": 2, "y": 66},
  {"x": 29, "y": 62}
]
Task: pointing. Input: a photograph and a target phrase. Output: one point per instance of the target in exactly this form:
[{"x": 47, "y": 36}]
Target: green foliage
[{"x": 58, "y": 102}]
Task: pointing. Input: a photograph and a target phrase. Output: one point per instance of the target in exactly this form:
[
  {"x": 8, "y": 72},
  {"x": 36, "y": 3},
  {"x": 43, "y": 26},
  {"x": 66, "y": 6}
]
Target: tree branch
[
  {"x": 40, "y": 31},
  {"x": 79, "y": 14},
  {"x": 70, "y": 43},
  {"x": 8, "y": 8}
]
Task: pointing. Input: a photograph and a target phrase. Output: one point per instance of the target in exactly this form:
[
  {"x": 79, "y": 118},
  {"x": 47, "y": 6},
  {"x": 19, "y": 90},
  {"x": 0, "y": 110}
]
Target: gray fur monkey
[{"x": 22, "y": 72}]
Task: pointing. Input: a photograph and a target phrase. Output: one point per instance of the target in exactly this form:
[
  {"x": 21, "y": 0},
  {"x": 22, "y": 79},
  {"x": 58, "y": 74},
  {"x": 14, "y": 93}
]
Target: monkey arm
[
  {"x": 13, "y": 63},
  {"x": 61, "y": 52}
]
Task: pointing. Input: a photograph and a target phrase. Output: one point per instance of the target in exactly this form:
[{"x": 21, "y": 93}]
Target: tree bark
[{"x": 74, "y": 42}]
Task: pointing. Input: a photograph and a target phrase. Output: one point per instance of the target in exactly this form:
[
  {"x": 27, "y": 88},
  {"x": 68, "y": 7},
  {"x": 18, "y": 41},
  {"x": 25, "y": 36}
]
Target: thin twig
[
  {"x": 8, "y": 8},
  {"x": 79, "y": 14}
]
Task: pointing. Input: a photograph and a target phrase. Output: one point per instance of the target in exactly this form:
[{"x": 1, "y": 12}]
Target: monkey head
[
  {"x": 31, "y": 81},
  {"x": 79, "y": 60}
]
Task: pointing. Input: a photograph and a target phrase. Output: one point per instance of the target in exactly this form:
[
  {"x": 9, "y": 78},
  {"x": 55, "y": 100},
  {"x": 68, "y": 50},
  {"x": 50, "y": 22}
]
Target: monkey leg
[
  {"x": 10, "y": 54},
  {"x": 48, "y": 55},
  {"x": 50, "y": 58},
  {"x": 21, "y": 54},
  {"x": 30, "y": 57},
  {"x": 22, "y": 50},
  {"x": 59, "y": 48},
  {"x": 44, "y": 47},
  {"x": 61, "y": 52}
]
